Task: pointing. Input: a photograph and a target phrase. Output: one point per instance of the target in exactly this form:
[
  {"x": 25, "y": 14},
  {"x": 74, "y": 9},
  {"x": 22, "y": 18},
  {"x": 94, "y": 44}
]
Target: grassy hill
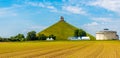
[{"x": 62, "y": 30}]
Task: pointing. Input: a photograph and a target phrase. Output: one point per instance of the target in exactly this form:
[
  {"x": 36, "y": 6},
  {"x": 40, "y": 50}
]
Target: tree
[
  {"x": 82, "y": 33},
  {"x": 19, "y": 37},
  {"x": 79, "y": 33},
  {"x": 12, "y": 38},
  {"x": 31, "y": 35},
  {"x": 1, "y": 39},
  {"x": 5, "y": 39},
  {"x": 42, "y": 37},
  {"x": 52, "y": 36},
  {"x": 76, "y": 33}
]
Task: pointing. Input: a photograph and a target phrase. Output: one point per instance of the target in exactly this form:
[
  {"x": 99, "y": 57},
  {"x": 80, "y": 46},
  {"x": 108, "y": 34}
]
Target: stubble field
[{"x": 60, "y": 49}]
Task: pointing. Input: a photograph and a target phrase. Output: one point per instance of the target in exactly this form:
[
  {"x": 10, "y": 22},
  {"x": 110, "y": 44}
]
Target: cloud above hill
[{"x": 111, "y": 5}]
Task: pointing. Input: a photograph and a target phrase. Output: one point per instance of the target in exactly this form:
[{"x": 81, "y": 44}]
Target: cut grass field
[{"x": 60, "y": 49}]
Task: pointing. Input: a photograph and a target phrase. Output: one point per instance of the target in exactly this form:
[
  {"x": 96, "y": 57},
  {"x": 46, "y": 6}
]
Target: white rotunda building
[{"x": 106, "y": 34}]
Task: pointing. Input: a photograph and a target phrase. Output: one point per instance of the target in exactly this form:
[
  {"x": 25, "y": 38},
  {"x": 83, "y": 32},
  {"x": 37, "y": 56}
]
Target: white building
[
  {"x": 85, "y": 38},
  {"x": 107, "y": 35},
  {"x": 50, "y": 39},
  {"x": 79, "y": 38}
]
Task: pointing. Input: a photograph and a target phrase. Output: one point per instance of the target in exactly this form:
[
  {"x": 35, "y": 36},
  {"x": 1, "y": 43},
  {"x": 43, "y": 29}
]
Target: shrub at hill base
[
  {"x": 42, "y": 37},
  {"x": 79, "y": 33}
]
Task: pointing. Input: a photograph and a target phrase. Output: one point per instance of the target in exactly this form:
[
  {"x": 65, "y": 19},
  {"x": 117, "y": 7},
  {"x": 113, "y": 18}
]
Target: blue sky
[{"x": 21, "y": 16}]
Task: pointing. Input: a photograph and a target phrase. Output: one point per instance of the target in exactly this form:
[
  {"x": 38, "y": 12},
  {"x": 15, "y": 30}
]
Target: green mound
[{"x": 62, "y": 30}]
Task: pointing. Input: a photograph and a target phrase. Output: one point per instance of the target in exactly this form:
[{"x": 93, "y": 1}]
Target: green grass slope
[{"x": 62, "y": 30}]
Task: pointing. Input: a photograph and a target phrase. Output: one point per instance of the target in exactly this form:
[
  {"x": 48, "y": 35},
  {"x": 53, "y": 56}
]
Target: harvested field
[{"x": 60, "y": 49}]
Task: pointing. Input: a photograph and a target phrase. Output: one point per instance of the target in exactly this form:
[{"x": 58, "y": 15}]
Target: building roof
[{"x": 106, "y": 31}]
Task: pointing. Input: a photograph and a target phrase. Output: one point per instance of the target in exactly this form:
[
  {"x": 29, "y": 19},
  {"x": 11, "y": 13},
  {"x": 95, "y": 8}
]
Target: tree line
[{"x": 30, "y": 37}]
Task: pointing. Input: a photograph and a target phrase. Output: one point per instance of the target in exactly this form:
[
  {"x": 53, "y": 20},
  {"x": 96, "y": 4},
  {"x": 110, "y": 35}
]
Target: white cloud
[
  {"x": 35, "y": 4},
  {"x": 92, "y": 24},
  {"x": 112, "y": 5},
  {"x": 11, "y": 10},
  {"x": 7, "y": 12},
  {"x": 63, "y": 9},
  {"x": 74, "y": 9},
  {"x": 51, "y": 7},
  {"x": 92, "y": 27},
  {"x": 101, "y": 19},
  {"x": 42, "y": 5}
]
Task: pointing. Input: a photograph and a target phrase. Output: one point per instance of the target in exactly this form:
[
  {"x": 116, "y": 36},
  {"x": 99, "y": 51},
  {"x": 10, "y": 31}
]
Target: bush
[
  {"x": 19, "y": 37},
  {"x": 42, "y": 37},
  {"x": 1, "y": 39}
]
